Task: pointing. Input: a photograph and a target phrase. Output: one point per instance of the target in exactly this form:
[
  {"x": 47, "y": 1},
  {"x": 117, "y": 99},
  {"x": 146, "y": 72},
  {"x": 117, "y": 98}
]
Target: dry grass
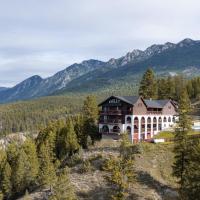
[{"x": 153, "y": 171}]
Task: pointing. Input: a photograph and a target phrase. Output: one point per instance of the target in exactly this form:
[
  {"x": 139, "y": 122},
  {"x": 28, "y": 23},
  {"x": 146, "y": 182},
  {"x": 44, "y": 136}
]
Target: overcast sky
[{"x": 44, "y": 36}]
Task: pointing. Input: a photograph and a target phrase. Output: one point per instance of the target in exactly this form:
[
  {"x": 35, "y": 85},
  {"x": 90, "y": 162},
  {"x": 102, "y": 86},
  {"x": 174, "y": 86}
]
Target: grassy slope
[
  {"x": 169, "y": 134},
  {"x": 153, "y": 171}
]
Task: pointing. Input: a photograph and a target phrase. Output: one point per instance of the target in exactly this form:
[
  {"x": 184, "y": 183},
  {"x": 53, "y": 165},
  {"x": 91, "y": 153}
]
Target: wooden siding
[
  {"x": 169, "y": 109},
  {"x": 139, "y": 108}
]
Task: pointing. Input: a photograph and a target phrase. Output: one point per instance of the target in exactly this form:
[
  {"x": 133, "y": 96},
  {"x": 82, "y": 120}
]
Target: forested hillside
[
  {"x": 32, "y": 115},
  {"x": 28, "y": 116}
]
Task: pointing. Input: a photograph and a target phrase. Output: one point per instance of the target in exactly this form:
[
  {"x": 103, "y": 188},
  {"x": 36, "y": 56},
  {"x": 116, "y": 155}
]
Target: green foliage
[
  {"x": 121, "y": 174},
  {"x": 67, "y": 143},
  {"x": 63, "y": 189},
  {"x": 90, "y": 113},
  {"x": 192, "y": 177},
  {"x": 164, "y": 135},
  {"x": 6, "y": 185},
  {"x": 47, "y": 174},
  {"x": 1, "y": 195},
  {"x": 181, "y": 148},
  {"x": 30, "y": 116},
  {"x": 121, "y": 171},
  {"x": 90, "y": 108},
  {"x": 32, "y": 165},
  {"x": 148, "y": 85},
  {"x": 85, "y": 166},
  {"x": 125, "y": 146}
]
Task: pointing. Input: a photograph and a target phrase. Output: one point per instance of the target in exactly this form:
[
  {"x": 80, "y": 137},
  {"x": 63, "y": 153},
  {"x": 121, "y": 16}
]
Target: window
[{"x": 128, "y": 119}]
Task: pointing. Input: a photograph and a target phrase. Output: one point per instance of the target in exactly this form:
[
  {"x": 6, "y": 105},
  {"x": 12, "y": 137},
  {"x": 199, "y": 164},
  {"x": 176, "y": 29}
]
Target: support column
[
  {"x": 132, "y": 129},
  {"x": 145, "y": 129},
  {"x": 139, "y": 128},
  {"x": 162, "y": 125},
  {"x": 157, "y": 121},
  {"x": 151, "y": 127}
]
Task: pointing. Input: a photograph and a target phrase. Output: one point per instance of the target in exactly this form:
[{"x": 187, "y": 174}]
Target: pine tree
[
  {"x": 67, "y": 143},
  {"x": 6, "y": 184},
  {"x": 181, "y": 148},
  {"x": 163, "y": 89},
  {"x": 32, "y": 165},
  {"x": 79, "y": 129},
  {"x": 125, "y": 146},
  {"x": 1, "y": 195},
  {"x": 121, "y": 171},
  {"x": 90, "y": 108},
  {"x": 47, "y": 173},
  {"x": 90, "y": 113},
  {"x": 12, "y": 154},
  {"x": 148, "y": 86},
  {"x": 63, "y": 189},
  {"x": 5, "y": 175},
  {"x": 19, "y": 172},
  {"x": 192, "y": 176}
]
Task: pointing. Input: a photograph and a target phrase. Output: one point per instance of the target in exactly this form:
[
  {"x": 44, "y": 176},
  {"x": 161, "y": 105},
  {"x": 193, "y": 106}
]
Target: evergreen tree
[
  {"x": 12, "y": 154},
  {"x": 163, "y": 89},
  {"x": 1, "y": 195},
  {"x": 90, "y": 108},
  {"x": 191, "y": 188},
  {"x": 80, "y": 132},
  {"x": 19, "y": 172},
  {"x": 67, "y": 143},
  {"x": 90, "y": 113},
  {"x": 48, "y": 136},
  {"x": 6, "y": 185},
  {"x": 63, "y": 189},
  {"x": 148, "y": 86},
  {"x": 181, "y": 148},
  {"x": 121, "y": 170},
  {"x": 47, "y": 173},
  {"x": 32, "y": 165}
]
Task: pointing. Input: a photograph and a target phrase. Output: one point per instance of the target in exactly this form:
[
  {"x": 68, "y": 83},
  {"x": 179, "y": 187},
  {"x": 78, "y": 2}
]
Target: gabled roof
[
  {"x": 133, "y": 99},
  {"x": 156, "y": 103},
  {"x": 128, "y": 99}
]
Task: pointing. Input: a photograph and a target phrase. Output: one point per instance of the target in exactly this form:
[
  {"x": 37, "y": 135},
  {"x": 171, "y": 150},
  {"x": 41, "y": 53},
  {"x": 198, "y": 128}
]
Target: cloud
[{"x": 42, "y": 37}]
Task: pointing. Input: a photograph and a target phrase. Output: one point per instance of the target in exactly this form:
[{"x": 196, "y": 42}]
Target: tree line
[{"x": 168, "y": 87}]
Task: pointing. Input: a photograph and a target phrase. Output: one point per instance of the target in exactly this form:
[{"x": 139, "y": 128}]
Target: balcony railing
[
  {"x": 115, "y": 112},
  {"x": 154, "y": 112},
  {"x": 110, "y": 121}
]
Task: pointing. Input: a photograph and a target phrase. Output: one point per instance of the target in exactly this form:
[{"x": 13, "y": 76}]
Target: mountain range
[{"x": 94, "y": 75}]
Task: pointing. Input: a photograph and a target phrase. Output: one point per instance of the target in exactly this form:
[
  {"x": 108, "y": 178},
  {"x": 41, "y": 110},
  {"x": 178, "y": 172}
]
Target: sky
[{"x": 41, "y": 37}]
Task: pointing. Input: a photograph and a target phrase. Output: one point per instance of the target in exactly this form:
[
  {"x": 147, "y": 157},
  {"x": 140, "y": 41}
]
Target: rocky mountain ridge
[{"x": 90, "y": 75}]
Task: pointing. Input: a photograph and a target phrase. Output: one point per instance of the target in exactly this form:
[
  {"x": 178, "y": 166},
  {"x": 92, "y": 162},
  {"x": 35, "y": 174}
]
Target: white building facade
[{"x": 140, "y": 118}]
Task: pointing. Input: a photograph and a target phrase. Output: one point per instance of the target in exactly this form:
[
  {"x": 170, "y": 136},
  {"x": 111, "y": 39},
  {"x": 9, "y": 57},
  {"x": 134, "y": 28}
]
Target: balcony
[
  {"x": 115, "y": 112},
  {"x": 110, "y": 121},
  {"x": 154, "y": 113}
]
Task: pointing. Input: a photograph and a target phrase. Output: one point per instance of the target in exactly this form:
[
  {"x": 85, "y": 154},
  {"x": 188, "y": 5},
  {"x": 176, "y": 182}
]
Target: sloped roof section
[
  {"x": 156, "y": 103},
  {"x": 128, "y": 99}
]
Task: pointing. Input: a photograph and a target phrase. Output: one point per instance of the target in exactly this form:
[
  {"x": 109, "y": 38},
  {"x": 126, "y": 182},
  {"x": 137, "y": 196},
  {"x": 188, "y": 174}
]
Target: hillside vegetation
[
  {"x": 153, "y": 173},
  {"x": 28, "y": 116}
]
